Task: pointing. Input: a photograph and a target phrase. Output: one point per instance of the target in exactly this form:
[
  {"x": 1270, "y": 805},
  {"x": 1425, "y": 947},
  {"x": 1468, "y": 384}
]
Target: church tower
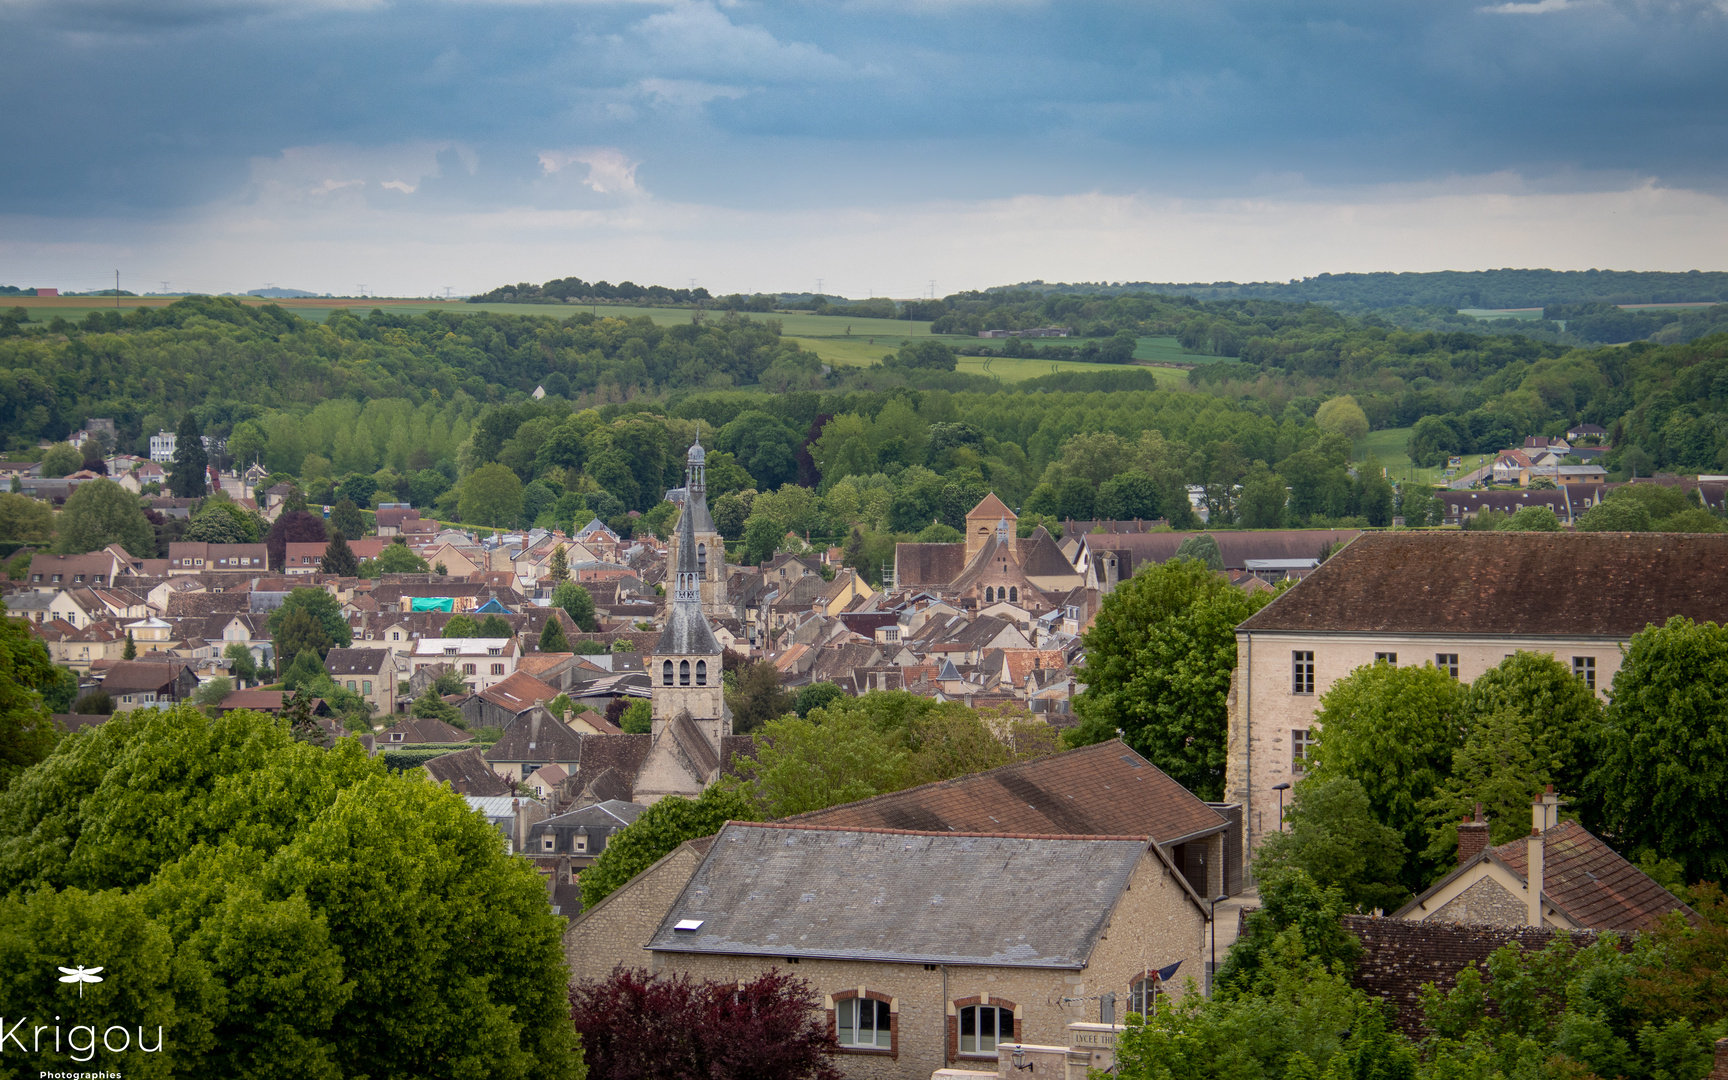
[
  {"x": 685, "y": 665},
  {"x": 709, "y": 561}
]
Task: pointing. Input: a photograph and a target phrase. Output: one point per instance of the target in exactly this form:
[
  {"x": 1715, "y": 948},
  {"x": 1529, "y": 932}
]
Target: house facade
[{"x": 1462, "y": 601}]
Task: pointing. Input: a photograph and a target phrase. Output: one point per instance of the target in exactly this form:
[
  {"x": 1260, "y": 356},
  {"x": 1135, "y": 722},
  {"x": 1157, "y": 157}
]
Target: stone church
[
  {"x": 993, "y": 566},
  {"x": 709, "y": 561}
]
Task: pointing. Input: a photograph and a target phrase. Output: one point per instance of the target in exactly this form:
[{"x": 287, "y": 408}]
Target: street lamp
[
  {"x": 1212, "y": 972},
  {"x": 1281, "y": 789}
]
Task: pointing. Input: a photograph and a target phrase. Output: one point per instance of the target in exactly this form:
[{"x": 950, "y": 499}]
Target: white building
[{"x": 162, "y": 446}]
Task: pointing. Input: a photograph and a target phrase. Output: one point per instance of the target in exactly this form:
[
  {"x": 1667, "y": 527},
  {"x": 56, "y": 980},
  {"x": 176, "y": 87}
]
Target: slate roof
[
  {"x": 354, "y": 661},
  {"x": 1101, "y": 789},
  {"x": 420, "y": 730},
  {"x": 1040, "y": 557},
  {"x": 1235, "y": 547},
  {"x": 534, "y": 737},
  {"x": 898, "y": 896},
  {"x": 1591, "y": 883},
  {"x": 134, "y": 676},
  {"x": 607, "y": 765},
  {"x": 466, "y": 772},
  {"x": 1586, "y": 584}
]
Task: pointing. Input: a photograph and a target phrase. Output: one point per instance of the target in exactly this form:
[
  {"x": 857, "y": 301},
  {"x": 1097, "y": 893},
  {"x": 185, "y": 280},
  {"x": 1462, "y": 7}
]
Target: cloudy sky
[{"x": 877, "y": 145}]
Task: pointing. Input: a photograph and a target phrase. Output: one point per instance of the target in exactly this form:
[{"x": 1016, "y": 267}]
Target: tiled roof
[
  {"x": 132, "y": 676},
  {"x": 355, "y": 661},
  {"x": 1591, "y": 883},
  {"x": 1590, "y": 584},
  {"x": 415, "y": 730},
  {"x": 535, "y": 737},
  {"x": 1040, "y": 556},
  {"x": 608, "y": 764},
  {"x": 1095, "y": 790},
  {"x": 1236, "y": 548},
  {"x": 467, "y": 772},
  {"x": 991, "y": 507},
  {"x": 519, "y": 691},
  {"x": 928, "y": 564},
  {"x": 767, "y": 890}
]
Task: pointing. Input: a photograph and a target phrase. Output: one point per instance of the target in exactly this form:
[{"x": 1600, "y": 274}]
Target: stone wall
[
  {"x": 614, "y": 931},
  {"x": 1398, "y": 957},
  {"x": 1486, "y": 903}
]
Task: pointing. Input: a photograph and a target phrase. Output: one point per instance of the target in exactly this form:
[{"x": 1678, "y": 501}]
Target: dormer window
[{"x": 495, "y": 651}]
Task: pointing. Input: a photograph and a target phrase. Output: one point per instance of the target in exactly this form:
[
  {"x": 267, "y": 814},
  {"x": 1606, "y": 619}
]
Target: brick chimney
[
  {"x": 1535, "y": 872},
  {"x": 1472, "y": 836},
  {"x": 1720, "y": 1072}
]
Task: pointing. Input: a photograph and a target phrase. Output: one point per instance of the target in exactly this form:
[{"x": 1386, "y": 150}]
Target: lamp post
[
  {"x": 1281, "y": 789},
  {"x": 1212, "y": 972}
]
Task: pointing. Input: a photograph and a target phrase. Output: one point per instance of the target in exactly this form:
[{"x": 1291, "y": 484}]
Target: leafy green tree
[
  {"x": 222, "y": 523},
  {"x": 1393, "y": 729},
  {"x": 1557, "y": 711},
  {"x": 339, "y": 557},
  {"x": 394, "y": 559},
  {"x": 763, "y": 445},
  {"x": 1261, "y": 504},
  {"x": 491, "y": 496},
  {"x": 805, "y": 764},
  {"x": 577, "y": 604},
  {"x": 654, "y": 834},
  {"x": 1158, "y": 664},
  {"x": 730, "y": 512},
  {"x": 346, "y": 519},
  {"x": 1533, "y": 519},
  {"x": 1330, "y": 834},
  {"x": 1342, "y": 416},
  {"x": 1374, "y": 494},
  {"x": 26, "y": 519},
  {"x": 552, "y": 639},
  {"x": 1695, "y": 520},
  {"x": 27, "y": 733},
  {"x": 637, "y": 718},
  {"x": 1419, "y": 506},
  {"x": 761, "y": 537},
  {"x": 1294, "y": 910},
  {"x": 1664, "y": 761},
  {"x": 559, "y": 569},
  {"x": 938, "y": 533},
  {"x": 240, "y": 662},
  {"x": 926, "y": 354},
  {"x": 1075, "y": 499},
  {"x": 278, "y": 933},
  {"x": 61, "y": 459},
  {"x": 321, "y": 609},
  {"x": 212, "y": 692},
  {"x": 816, "y": 695},
  {"x": 461, "y": 625},
  {"x": 756, "y": 696},
  {"x": 1129, "y": 496},
  {"x": 188, "y": 476},
  {"x": 99, "y": 513},
  {"x": 307, "y": 668},
  {"x": 1202, "y": 548},
  {"x": 1501, "y": 767},
  {"x": 430, "y": 706},
  {"x": 1613, "y": 516},
  {"x": 494, "y": 626}
]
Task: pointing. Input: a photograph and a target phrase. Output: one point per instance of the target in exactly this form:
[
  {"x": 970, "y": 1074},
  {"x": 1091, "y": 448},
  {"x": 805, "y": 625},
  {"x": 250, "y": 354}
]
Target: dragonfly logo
[{"x": 80, "y": 975}]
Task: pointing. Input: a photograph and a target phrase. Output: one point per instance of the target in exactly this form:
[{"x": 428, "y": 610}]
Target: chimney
[
  {"x": 1472, "y": 837},
  {"x": 1550, "y": 809},
  {"x": 1534, "y": 876},
  {"x": 1720, "y": 1072}
]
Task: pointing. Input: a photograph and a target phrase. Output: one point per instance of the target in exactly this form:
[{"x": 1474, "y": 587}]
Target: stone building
[
  {"x": 992, "y": 564},
  {"x": 1462, "y": 601},
  {"x": 928, "y": 948}
]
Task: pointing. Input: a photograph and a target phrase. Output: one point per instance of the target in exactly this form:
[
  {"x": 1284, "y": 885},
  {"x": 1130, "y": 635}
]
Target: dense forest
[
  {"x": 1445, "y": 288},
  {"x": 438, "y": 410}
]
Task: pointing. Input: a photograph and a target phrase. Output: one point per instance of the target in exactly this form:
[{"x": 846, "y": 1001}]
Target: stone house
[
  {"x": 148, "y": 684},
  {"x": 534, "y": 740},
  {"x": 194, "y": 557},
  {"x": 923, "y": 945},
  {"x": 581, "y": 834},
  {"x": 483, "y": 662},
  {"x": 1583, "y": 883},
  {"x": 1462, "y": 601},
  {"x": 371, "y": 673}
]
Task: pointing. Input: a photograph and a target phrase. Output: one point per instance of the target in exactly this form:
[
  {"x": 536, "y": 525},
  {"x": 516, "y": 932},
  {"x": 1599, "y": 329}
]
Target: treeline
[
  {"x": 1445, "y": 288},
  {"x": 574, "y": 289}
]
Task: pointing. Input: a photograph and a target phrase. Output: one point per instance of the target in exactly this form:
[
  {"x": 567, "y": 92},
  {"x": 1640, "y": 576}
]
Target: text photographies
[{"x": 79, "y": 1039}]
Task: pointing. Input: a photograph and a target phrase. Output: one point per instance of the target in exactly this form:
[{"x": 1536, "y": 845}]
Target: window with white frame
[
  {"x": 1302, "y": 672},
  {"x": 1388, "y": 658},
  {"x": 863, "y": 1022},
  {"x": 983, "y": 1026},
  {"x": 1301, "y": 739},
  {"x": 1447, "y": 662},
  {"x": 1142, "y": 995},
  {"x": 497, "y": 669},
  {"x": 1585, "y": 668},
  {"x": 548, "y": 842}
]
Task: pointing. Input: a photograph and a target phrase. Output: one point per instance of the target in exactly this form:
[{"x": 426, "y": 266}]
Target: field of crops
[{"x": 1391, "y": 447}]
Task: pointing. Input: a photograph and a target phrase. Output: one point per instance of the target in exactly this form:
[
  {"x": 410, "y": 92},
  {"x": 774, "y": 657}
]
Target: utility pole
[
  {"x": 818, "y": 286},
  {"x": 932, "y": 288},
  {"x": 446, "y": 292},
  {"x": 362, "y": 292},
  {"x": 165, "y": 286},
  {"x": 116, "y": 290}
]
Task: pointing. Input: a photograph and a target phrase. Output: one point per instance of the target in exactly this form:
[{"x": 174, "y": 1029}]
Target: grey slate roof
[
  {"x": 782, "y": 890},
  {"x": 687, "y": 631}
]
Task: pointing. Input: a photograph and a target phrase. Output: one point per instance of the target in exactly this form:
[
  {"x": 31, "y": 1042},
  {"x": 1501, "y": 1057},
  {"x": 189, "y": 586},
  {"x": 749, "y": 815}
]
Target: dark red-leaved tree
[
  {"x": 294, "y": 526},
  {"x": 638, "y": 1027}
]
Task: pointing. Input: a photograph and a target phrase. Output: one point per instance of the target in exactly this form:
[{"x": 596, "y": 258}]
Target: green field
[{"x": 1391, "y": 447}]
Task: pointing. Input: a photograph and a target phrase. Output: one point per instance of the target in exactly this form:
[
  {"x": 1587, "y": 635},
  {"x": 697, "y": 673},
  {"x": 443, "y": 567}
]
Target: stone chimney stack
[
  {"x": 1534, "y": 868},
  {"x": 1720, "y": 1072},
  {"x": 1472, "y": 836}
]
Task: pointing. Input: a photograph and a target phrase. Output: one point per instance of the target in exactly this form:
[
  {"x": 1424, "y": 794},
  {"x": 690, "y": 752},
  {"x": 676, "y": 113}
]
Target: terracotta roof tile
[{"x": 1591, "y": 883}]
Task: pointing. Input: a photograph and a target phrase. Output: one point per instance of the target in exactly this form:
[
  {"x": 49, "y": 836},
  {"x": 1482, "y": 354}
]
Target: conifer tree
[
  {"x": 339, "y": 557},
  {"x": 131, "y": 650},
  {"x": 552, "y": 637},
  {"x": 560, "y": 568},
  {"x": 187, "y": 478}
]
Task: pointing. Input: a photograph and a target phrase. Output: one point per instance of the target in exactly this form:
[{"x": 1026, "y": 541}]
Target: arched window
[
  {"x": 683, "y": 673},
  {"x": 701, "y": 673},
  {"x": 702, "y": 561},
  {"x": 1143, "y": 994},
  {"x": 983, "y": 1026},
  {"x": 1013, "y": 594},
  {"x": 666, "y": 673},
  {"x": 989, "y": 595},
  {"x": 863, "y": 1022}
]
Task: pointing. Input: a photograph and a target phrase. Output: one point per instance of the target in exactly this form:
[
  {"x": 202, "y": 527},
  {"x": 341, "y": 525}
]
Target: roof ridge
[{"x": 929, "y": 832}]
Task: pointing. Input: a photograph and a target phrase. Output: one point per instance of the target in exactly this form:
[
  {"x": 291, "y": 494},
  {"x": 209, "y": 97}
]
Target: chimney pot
[{"x": 1472, "y": 839}]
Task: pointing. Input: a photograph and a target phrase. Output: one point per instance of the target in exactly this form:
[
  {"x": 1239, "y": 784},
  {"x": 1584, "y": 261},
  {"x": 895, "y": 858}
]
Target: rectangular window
[
  {"x": 467, "y": 669},
  {"x": 581, "y": 843},
  {"x": 983, "y": 1026},
  {"x": 1300, "y": 741},
  {"x": 1390, "y": 658},
  {"x": 1585, "y": 668},
  {"x": 863, "y": 1022},
  {"x": 497, "y": 669},
  {"x": 1447, "y": 662},
  {"x": 1301, "y": 673},
  {"x": 547, "y": 842},
  {"x": 366, "y": 686}
]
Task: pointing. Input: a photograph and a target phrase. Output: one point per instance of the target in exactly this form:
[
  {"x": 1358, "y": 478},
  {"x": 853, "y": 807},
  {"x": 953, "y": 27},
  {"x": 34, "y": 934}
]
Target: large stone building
[
  {"x": 929, "y": 948},
  {"x": 1462, "y": 601},
  {"x": 709, "y": 562},
  {"x": 993, "y": 565}
]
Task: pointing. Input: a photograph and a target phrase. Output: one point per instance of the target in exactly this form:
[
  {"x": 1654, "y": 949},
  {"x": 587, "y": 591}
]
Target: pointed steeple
[{"x": 687, "y": 629}]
